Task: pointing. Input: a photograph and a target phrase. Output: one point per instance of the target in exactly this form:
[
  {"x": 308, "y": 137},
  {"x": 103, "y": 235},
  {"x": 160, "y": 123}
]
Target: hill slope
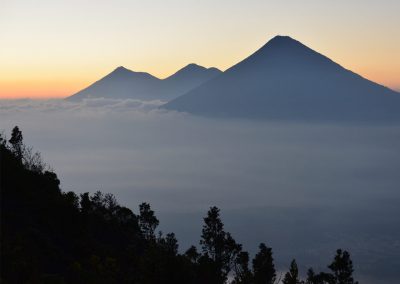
[
  {"x": 287, "y": 80},
  {"x": 51, "y": 236}
]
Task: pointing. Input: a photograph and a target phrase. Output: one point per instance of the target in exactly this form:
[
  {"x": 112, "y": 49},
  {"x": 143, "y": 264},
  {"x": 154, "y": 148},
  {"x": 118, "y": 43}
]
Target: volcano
[{"x": 286, "y": 80}]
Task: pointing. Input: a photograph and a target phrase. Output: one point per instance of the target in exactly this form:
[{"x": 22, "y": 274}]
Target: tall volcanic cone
[{"x": 287, "y": 80}]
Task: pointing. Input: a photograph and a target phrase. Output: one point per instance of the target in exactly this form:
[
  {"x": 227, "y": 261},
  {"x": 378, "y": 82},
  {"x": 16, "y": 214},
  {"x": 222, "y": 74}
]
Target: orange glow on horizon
[
  {"x": 47, "y": 88},
  {"x": 38, "y": 89}
]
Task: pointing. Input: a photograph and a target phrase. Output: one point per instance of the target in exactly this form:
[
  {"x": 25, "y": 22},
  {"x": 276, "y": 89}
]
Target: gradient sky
[{"x": 54, "y": 48}]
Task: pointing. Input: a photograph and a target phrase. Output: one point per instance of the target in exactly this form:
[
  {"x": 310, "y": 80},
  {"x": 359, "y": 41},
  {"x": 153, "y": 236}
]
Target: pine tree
[
  {"x": 292, "y": 277},
  {"x": 263, "y": 266},
  {"x": 220, "y": 250},
  {"x": 242, "y": 271},
  {"x": 342, "y": 268}
]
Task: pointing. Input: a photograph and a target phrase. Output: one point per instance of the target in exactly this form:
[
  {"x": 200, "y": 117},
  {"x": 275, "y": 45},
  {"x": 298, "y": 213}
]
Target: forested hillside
[{"x": 51, "y": 236}]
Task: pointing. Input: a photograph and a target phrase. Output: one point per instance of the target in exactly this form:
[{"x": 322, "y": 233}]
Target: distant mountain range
[
  {"x": 284, "y": 79},
  {"x": 287, "y": 80},
  {"x": 124, "y": 83}
]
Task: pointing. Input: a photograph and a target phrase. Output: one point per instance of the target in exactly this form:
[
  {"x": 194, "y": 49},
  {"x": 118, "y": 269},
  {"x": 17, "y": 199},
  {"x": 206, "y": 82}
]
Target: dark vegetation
[{"x": 50, "y": 236}]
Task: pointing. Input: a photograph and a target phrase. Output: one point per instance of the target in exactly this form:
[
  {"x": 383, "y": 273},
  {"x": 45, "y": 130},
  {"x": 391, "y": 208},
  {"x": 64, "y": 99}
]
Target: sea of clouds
[{"x": 304, "y": 189}]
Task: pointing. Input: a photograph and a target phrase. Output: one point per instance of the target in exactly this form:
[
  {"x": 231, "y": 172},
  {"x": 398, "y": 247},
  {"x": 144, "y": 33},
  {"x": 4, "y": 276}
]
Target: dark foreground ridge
[
  {"x": 50, "y": 236},
  {"x": 286, "y": 80}
]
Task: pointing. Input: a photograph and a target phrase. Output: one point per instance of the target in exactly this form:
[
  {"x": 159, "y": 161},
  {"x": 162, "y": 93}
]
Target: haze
[{"x": 304, "y": 189}]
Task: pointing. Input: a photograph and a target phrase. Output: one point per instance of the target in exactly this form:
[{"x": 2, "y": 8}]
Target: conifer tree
[
  {"x": 342, "y": 268},
  {"x": 218, "y": 246},
  {"x": 263, "y": 266},
  {"x": 292, "y": 277}
]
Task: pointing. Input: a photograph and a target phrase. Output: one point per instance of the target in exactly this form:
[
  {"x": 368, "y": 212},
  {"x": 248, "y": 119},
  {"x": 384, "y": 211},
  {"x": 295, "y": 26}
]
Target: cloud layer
[{"x": 304, "y": 189}]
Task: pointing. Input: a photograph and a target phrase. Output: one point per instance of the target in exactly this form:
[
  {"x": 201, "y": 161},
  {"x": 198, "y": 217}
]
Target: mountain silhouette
[
  {"x": 189, "y": 77},
  {"x": 287, "y": 80},
  {"x": 123, "y": 83}
]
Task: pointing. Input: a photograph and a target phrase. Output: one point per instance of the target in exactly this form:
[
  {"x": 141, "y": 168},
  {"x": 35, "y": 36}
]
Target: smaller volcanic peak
[
  {"x": 121, "y": 69},
  {"x": 194, "y": 70},
  {"x": 193, "y": 66},
  {"x": 120, "y": 83},
  {"x": 120, "y": 72},
  {"x": 123, "y": 83},
  {"x": 188, "y": 78}
]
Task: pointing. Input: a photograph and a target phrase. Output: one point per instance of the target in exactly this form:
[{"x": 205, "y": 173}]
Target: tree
[
  {"x": 85, "y": 203},
  {"x": 342, "y": 271},
  {"x": 192, "y": 255},
  {"x": 342, "y": 268},
  {"x": 3, "y": 140},
  {"x": 32, "y": 160},
  {"x": 169, "y": 243},
  {"x": 242, "y": 271},
  {"x": 213, "y": 235},
  {"x": 148, "y": 222},
  {"x": 311, "y": 277},
  {"x": 17, "y": 143},
  {"x": 263, "y": 266},
  {"x": 320, "y": 278},
  {"x": 292, "y": 277},
  {"x": 218, "y": 245}
]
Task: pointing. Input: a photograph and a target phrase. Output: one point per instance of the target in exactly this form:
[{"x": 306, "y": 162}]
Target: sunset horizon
[
  {"x": 39, "y": 88},
  {"x": 54, "y": 49}
]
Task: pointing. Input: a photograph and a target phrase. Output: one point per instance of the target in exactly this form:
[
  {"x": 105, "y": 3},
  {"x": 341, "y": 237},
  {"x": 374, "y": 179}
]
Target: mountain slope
[
  {"x": 123, "y": 83},
  {"x": 287, "y": 80},
  {"x": 189, "y": 77}
]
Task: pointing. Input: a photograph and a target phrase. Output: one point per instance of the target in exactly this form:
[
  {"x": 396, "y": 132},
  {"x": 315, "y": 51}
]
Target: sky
[{"x": 54, "y": 48}]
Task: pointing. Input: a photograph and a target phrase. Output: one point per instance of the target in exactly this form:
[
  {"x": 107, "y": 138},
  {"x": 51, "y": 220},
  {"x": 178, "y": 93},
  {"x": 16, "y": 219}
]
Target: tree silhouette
[
  {"x": 243, "y": 275},
  {"x": 85, "y": 203},
  {"x": 148, "y": 222},
  {"x": 169, "y": 243},
  {"x": 213, "y": 235},
  {"x": 3, "y": 140},
  {"x": 263, "y": 266},
  {"x": 342, "y": 271},
  {"x": 218, "y": 245},
  {"x": 192, "y": 254},
  {"x": 320, "y": 278},
  {"x": 292, "y": 277},
  {"x": 17, "y": 143},
  {"x": 342, "y": 268}
]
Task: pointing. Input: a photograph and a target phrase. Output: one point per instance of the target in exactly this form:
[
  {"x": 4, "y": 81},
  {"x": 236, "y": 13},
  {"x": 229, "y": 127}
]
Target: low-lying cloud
[
  {"x": 304, "y": 189},
  {"x": 86, "y": 105}
]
